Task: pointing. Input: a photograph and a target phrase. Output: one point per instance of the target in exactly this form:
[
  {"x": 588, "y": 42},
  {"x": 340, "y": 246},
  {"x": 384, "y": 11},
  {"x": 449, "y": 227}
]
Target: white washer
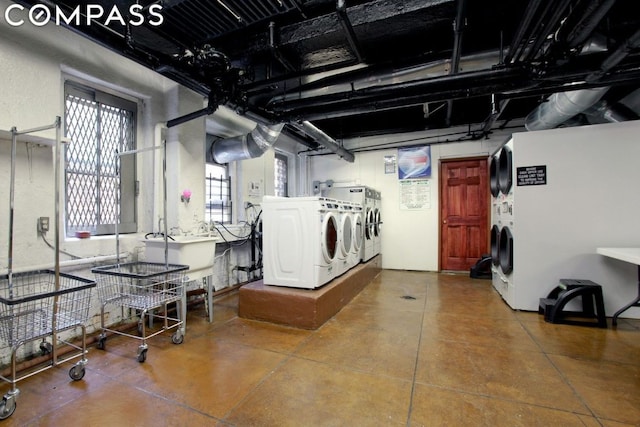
[
  {"x": 345, "y": 236},
  {"x": 300, "y": 241},
  {"x": 365, "y": 196},
  {"x": 358, "y": 234},
  {"x": 377, "y": 226}
]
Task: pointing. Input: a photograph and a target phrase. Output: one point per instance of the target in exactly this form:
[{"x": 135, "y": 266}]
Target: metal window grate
[
  {"x": 280, "y": 176},
  {"x": 98, "y": 131},
  {"x": 218, "y": 193}
]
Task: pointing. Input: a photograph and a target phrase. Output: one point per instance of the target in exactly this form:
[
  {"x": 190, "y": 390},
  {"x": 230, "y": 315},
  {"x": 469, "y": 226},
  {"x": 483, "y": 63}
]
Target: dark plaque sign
[{"x": 532, "y": 175}]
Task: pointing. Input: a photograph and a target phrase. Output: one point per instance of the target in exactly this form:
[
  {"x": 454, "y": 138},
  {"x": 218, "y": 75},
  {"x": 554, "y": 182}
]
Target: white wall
[
  {"x": 410, "y": 238},
  {"x": 34, "y": 63}
]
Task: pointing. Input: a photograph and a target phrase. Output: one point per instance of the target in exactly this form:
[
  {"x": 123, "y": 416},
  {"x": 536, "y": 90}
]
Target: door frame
[{"x": 487, "y": 158}]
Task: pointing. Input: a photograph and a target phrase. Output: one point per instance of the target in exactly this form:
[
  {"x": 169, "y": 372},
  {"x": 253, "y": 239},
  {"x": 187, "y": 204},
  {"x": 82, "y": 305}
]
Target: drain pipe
[
  {"x": 324, "y": 140},
  {"x": 248, "y": 146}
]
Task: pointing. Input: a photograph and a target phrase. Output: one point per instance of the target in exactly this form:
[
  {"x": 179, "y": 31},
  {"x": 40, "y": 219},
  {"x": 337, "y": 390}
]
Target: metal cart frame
[
  {"x": 39, "y": 304},
  {"x": 144, "y": 286}
]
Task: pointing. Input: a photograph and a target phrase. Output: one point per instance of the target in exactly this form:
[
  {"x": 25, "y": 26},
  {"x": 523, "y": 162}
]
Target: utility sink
[{"x": 197, "y": 252}]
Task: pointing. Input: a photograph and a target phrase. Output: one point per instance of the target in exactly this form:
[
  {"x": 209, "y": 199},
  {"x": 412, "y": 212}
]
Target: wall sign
[
  {"x": 531, "y": 175},
  {"x": 415, "y": 194}
]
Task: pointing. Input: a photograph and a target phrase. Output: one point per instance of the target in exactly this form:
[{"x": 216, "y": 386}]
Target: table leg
[{"x": 634, "y": 303}]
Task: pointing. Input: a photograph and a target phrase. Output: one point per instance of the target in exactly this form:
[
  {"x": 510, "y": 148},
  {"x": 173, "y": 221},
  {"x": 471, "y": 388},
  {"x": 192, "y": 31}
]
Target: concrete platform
[{"x": 305, "y": 308}]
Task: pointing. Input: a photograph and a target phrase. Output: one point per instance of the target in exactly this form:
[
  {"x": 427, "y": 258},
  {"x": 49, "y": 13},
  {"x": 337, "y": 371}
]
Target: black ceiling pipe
[
  {"x": 583, "y": 30},
  {"x": 518, "y": 37},
  {"x": 461, "y": 81},
  {"x": 458, "y": 26},
  {"x": 548, "y": 25}
]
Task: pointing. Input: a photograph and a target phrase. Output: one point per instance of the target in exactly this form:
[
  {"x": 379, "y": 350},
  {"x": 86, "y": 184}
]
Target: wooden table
[{"x": 630, "y": 255}]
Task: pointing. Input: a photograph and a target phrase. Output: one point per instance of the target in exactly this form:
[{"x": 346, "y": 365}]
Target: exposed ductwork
[
  {"x": 562, "y": 106},
  {"x": 248, "y": 146}
]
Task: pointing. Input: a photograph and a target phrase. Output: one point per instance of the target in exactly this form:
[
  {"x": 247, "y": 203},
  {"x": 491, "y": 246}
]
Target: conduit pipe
[
  {"x": 324, "y": 140},
  {"x": 248, "y": 146}
]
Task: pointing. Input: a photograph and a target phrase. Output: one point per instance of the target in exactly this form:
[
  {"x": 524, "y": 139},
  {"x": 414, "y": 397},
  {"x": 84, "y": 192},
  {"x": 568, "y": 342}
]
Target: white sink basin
[{"x": 197, "y": 252}]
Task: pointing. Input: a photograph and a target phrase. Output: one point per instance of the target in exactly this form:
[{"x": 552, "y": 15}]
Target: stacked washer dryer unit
[
  {"x": 300, "y": 241},
  {"x": 573, "y": 196},
  {"x": 501, "y": 186},
  {"x": 366, "y": 197}
]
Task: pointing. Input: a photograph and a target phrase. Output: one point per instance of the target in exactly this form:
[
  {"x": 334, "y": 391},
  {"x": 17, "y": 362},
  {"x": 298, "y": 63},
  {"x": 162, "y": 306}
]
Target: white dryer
[{"x": 300, "y": 241}]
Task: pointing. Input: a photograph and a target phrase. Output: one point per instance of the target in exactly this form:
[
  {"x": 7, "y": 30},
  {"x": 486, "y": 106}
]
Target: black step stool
[{"x": 592, "y": 304}]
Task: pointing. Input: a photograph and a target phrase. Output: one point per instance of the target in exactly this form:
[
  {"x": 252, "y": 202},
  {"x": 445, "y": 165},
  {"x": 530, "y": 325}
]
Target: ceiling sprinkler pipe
[{"x": 248, "y": 146}]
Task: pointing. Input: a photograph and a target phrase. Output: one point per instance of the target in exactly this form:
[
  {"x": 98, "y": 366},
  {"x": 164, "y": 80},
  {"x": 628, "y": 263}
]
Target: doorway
[{"x": 464, "y": 213}]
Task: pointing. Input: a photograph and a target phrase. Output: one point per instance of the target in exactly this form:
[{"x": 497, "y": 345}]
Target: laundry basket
[{"x": 142, "y": 287}]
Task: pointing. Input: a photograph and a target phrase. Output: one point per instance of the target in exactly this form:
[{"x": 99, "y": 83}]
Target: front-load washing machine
[
  {"x": 377, "y": 225},
  {"x": 358, "y": 234},
  {"x": 366, "y": 197},
  {"x": 345, "y": 236},
  {"x": 300, "y": 241}
]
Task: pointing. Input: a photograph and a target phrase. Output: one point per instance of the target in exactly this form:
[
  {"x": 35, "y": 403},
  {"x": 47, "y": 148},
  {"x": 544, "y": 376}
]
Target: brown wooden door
[{"x": 464, "y": 210}]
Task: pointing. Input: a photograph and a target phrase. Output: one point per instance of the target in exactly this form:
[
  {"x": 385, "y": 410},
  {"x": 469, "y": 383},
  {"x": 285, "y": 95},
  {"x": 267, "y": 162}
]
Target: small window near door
[
  {"x": 218, "y": 194},
  {"x": 281, "y": 171}
]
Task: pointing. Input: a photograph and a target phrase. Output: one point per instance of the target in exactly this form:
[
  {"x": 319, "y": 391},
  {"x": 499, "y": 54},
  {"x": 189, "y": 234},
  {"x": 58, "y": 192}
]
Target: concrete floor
[{"x": 411, "y": 349}]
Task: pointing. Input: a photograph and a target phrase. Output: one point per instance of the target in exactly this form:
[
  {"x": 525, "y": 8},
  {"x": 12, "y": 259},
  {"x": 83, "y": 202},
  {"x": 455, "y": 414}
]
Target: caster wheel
[
  {"x": 101, "y": 340},
  {"x": 77, "y": 372},
  {"x": 142, "y": 356},
  {"x": 7, "y": 408},
  {"x": 45, "y": 348},
  {"x": 177, "y": 338}
]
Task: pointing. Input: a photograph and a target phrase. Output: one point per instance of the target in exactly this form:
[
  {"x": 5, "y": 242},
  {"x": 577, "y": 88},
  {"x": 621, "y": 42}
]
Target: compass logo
[{"x": 39, "y": 15}]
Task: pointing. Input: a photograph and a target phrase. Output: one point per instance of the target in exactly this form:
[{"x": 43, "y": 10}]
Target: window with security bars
[
  {"x": 218, "y": 194},
  {"x": 98, "y": 184},
  {"x": 280, "y": 175}
]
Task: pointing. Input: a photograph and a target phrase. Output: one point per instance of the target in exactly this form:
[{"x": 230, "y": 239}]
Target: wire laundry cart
[
  {"x": 142, "y": 287},
  {"x": 31, "y": 308},
  {"x": 38, "y": 304}
]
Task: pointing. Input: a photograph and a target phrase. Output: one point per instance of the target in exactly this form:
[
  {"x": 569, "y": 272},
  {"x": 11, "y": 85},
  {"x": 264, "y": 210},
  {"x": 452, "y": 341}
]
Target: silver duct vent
[
  {"x": 562, "y": 106},
  {"x": 248, "y": 146}
]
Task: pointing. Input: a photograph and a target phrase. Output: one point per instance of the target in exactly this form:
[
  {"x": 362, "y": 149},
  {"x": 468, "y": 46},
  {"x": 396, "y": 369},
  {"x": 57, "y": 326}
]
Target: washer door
[
  {"x": 368, "y": 230},
  {"x": 357, "y": 232},
  {"x": 347, "y": 235},
  {"x": 505, "y": 173},
  {"x": 495, "y": 245},
  {"x": 506, "y": 250},
  {"x": 329, "y": 238},
  {"x": 377, "y": 223},
  {"x": 493, "y": 177}
]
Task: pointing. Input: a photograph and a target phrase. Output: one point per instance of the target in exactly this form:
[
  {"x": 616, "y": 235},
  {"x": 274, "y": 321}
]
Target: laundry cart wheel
[
  {"x": 45, "y": 348},
  {"x": 101, "y": 339},
  {"x": 177, "y": 338},
  {"x": 77, "y": 372},
  {"x": 7, "y": 407},
  {"x": 142, "y": 355}
]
